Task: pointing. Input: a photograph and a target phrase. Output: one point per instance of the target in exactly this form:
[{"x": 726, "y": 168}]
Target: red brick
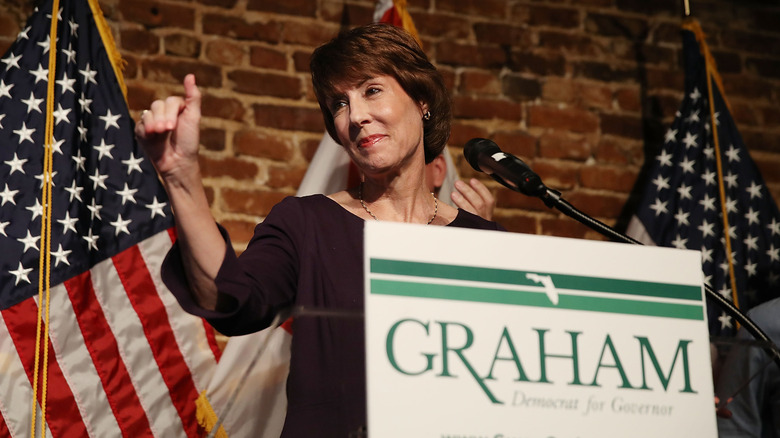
[
  {"x": 667, "y": 32},
  {"x": 209, "y": 195},
  {"x": 182, "y": 45},
  {"x": 622, "y": 126},
  {"x": 449, "y": 52},
  {"x": 539, "y": 64},
  {"x": 478, "y": 81},
  {"x": 241, "y": 231},
  {"x": 233, "y": 27},
  {"x": 285, "y": 176},
  {"x": 616, "y": 26},
  {"x": 665, "y": 78},
  {"x": 645, "y": 53},
  {"x": 225, "y": 52},
  {"x": 266, "y": 84},
  {"x": 308, "y": 148},
  {"x": 598, "y": 205},
  {"x": 521, "y": 88},
  {"x": 173, "y": 71},
  {"x": 737, "y": 86},
  {"x": 770, "y": 116},
  {"x": 563, "y": 227},
  {"x": 516, "y": 223},
  {"x": 619, "y": 151},
  {"x": 559, "y": 90},
  {"x": 671, "y": 8},
  {"x": 567, "y": 43},
  {"x": 564, "y": 146},
  {"x": 483, "y": 108},
  {"x": 9, "y": 26},
  {"x": 441, "y": 26},
  {"x": 130, "y": 70},
  {"x": 5, "y": 45},
  {"x": 503, "y": 34},
  {"x": 289, "y": 118},
  {"x": 483, "y": 8},
  {"x": 570, "y": 119},
  {"x": 751, "y": 42},
  {"x": 347, "y": 13},
  {"x": 226, "y": 108},
  {"x": 566, "y": 18},
  {"x": 301, "y": 61},
  {"x": 309, "y": 34},
  {"x": 727, "y": 62},
  {"x": 234, "y": 168},
  {"x": 560, "y": 175},
  {"x": 744, "y": 113},
  {"x": 460, "y": 133},
  {"x": 305, "y": 8},
  {"x": 606, "y": 72},
  {"x": 139, "y": 97},
  {"x": 448, "y": 75},
  {"x": 769, "y": 168},
  {"x": 212, "y": 139},
  {"x": 664, "y": 106},
  {"x": 628, "y": 99},
  {"x": 594, "y": 95},
  {"x": 262, "y": 145},
  {"x": 763, "y": 66},
  {"x": 518, "y": 143},
  {"x": 255, "y": 202},
  {"x": 155, "y": 14},
  {"x": 140, "y": 41},
  {"x": 260, "y": 56},
  {"x": 509, "y": 199},
  {"x": 761, "y": 140},
  {"x": 617, "y": 179}
]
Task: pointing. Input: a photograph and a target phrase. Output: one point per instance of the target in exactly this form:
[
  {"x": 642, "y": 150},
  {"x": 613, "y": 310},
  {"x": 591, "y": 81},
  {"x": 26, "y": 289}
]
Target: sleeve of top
[{"x": 254, "y": 287}]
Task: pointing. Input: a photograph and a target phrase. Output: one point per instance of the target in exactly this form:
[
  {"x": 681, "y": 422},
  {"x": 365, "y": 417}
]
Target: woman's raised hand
[{"x": 169, "y": 131}]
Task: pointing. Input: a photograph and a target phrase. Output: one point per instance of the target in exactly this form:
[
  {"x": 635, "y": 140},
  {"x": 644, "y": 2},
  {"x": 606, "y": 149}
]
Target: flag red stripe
[
  {"x": 211, "y": 336},
  {"x": 104, "y": 351},
  {"x": 62, "y": 414},
  {"x": 4, "y": 431},
  {"x": 150, "y": 309}
]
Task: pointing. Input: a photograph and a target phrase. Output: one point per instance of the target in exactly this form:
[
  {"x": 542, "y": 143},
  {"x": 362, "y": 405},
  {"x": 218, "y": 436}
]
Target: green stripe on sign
[
  {"x": 505, "y": 276},
  {"x": 535, "y": 299}
]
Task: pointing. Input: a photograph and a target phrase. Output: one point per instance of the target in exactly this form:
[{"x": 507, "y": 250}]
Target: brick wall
[{"x": 583, "y": 90}]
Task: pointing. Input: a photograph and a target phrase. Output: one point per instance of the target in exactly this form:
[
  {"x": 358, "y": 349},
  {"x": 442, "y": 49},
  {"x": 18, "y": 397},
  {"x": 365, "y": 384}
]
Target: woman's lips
[{"x": 370, "y": 140}]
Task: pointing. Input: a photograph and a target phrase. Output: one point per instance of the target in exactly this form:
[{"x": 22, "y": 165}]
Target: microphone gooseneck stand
[{"x": 529, "y": 183}]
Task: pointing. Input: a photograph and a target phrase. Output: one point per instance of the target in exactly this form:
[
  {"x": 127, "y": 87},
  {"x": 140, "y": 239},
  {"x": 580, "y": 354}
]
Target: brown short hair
[{"x": 382, "y": 49}]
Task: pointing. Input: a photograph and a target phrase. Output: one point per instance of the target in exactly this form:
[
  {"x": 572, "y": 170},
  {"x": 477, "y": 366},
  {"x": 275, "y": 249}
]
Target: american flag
[
  {"x": 123, "y": 359},
  {"x": 682, "y": 205}
]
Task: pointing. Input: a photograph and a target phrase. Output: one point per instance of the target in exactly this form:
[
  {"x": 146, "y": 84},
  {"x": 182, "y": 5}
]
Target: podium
[{"x": 487, "y": 334}]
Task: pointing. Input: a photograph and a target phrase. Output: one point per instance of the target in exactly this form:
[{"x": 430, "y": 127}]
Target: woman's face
[{"x": 379, "y": 125}]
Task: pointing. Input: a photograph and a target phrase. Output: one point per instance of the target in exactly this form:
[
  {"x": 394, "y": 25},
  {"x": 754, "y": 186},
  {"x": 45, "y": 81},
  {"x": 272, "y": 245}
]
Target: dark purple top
[{"x": 308, "y": 252}]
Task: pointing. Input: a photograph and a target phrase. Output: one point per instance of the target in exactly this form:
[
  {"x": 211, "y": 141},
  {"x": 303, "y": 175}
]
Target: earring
[{"x": 427, "y": 115}]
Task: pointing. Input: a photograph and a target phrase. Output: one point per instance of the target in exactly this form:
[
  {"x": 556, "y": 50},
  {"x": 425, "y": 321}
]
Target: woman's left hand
[{"x": 474, "y": 198}]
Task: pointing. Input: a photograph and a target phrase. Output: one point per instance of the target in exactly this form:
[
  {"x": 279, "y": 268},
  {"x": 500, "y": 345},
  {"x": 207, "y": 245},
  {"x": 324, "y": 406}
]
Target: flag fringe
[
  {"x": 114, "y": 56},
  {"x": 692, "y": 24},
  {"x": 206, "y": 416}
]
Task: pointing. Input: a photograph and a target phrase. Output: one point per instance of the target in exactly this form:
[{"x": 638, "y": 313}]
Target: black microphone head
[{"x": 476, "y": 147}]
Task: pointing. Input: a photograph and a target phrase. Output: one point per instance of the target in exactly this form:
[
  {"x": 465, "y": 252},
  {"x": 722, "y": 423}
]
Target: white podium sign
[{"x": 473, "y": 333}]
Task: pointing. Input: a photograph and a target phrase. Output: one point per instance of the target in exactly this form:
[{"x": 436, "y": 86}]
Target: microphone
[{"x": 485, "y": 156}]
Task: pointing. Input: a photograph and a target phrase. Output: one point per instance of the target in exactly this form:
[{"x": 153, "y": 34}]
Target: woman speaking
[{"x": 386, "y": 104}]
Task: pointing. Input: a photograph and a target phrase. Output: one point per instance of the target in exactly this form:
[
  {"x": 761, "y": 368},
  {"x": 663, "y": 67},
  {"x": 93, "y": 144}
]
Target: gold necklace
[{"x": 365, "y": 207}]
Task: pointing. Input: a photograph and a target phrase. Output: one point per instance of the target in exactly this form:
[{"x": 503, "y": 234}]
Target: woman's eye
[
  {"x": 337, "y": 105},
  {"x": 372, "y": 90}
]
